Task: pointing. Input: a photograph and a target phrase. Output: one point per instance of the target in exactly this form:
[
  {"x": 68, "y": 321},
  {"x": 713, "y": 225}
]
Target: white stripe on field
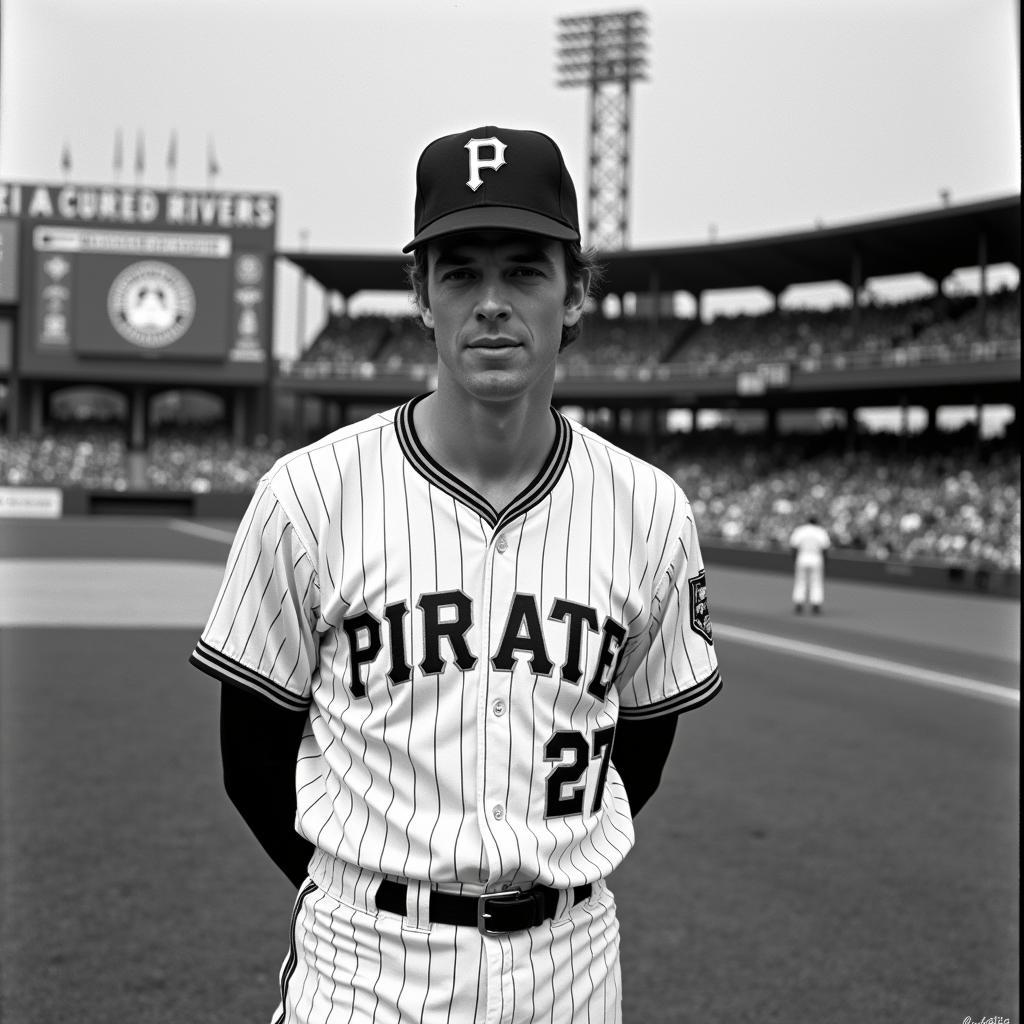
[
  {"x": 206, "y": 532},
  {"x": 883, "y": 666},
  {"x": 104, "y": 592}
]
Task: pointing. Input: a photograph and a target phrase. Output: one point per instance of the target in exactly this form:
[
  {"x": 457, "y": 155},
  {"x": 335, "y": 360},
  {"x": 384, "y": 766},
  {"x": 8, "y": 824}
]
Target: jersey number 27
[{"x": 565, "y": 792}]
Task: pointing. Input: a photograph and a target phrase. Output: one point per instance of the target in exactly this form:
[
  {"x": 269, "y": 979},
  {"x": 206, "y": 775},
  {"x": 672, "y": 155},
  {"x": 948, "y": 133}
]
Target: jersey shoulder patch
[{"x": 700, "y": 613}]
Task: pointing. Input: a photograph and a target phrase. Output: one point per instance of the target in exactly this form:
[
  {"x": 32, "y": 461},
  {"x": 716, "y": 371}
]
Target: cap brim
[{"x": 508, "y": 218}]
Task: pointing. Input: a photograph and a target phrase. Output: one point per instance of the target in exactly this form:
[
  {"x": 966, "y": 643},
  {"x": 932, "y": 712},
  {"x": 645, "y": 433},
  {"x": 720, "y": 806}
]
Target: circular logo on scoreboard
[{"x": 151, "y": 304}]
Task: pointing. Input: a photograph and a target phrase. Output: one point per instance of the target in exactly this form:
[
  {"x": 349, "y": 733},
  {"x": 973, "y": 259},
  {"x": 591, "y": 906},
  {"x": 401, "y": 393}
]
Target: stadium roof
[{"x": 933, "y": 243}]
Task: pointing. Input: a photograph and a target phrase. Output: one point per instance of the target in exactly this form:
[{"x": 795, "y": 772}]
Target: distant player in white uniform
[
  {"x": 809, "y": 542},
  {"x": 454, "y": 640}
]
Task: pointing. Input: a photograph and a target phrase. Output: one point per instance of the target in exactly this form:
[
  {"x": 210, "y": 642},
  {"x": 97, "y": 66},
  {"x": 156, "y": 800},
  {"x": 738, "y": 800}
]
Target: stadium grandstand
[{"x": 763, "y": 418}]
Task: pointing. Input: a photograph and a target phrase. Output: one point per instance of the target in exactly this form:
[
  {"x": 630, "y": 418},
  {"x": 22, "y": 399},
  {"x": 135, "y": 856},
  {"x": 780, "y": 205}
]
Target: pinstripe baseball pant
[{"x": 350, "y": 964}]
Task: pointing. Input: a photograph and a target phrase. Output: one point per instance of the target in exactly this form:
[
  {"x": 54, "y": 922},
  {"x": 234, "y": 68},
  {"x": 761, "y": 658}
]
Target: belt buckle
[{"x": 525, "y": 897}]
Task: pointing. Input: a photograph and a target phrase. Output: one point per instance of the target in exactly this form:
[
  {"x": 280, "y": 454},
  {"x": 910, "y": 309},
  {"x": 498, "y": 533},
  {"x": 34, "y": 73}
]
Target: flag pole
[
  {"x": 212, "y": 167},
  {"x": 140, "y": 157},
  {"x": 118, "y": 155},
  {"x": 172, "y": 159}
]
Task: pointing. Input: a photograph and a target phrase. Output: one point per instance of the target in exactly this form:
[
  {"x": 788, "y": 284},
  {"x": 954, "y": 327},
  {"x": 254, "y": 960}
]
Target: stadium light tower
[{"x": 606, "y": 53}]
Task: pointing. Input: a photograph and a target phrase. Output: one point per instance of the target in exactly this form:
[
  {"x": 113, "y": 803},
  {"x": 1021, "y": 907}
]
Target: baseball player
[
  {"x": 809, "y": 543},
  {"x": 454, "y": 639}
]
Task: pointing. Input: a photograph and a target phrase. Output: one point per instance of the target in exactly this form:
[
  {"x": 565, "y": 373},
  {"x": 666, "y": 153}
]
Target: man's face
[{"x": 498, "y": 302}]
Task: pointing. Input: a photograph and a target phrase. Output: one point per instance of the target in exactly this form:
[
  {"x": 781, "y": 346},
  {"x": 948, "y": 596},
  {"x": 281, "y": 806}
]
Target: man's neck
[{"x": 495, "y": 447}]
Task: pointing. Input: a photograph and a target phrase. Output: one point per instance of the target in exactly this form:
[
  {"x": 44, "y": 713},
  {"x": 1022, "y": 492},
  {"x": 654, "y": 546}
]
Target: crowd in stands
[
  {"x": 940, "y": 329},
  {"x": 905, "y": 333},
  {"x": 344, "y": 346},
  {"x": 958, "y": 504},
  {"x": 199, "y": 463},
  {"x": 618, "y": 348},
  {"x": 97, "y": 458},
  {"x": 365, "y": 347},
  {"x": 955, "y": 502},
  {"x": 91, "y": 457}
]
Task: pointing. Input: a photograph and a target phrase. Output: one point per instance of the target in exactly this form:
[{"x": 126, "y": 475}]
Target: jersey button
[
  {"x": 502, "y": 544},
  {"x": 498, "y": 812},
  {"x": 498, "y": 707}
]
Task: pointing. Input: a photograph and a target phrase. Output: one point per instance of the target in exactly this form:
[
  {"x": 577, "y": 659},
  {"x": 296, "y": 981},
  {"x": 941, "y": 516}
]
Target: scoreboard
[{"x": 119, "y": 283}]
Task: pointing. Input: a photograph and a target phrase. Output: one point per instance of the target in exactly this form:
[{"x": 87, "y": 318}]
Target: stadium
[
  {"x": 114, "y": 420},
  {"x": 836, "y": 836},
  {"x": 129, "y": 450}
]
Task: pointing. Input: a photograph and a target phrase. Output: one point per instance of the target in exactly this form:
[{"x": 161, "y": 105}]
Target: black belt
[{"x": 492, "y": 913}]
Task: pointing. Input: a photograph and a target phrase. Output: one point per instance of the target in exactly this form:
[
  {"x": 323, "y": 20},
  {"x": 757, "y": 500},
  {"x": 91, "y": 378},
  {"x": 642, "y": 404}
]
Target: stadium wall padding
[{"x": 848, "y": 565}]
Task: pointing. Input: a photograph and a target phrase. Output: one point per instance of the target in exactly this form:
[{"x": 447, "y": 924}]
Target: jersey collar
[{"x": 534, "y": 492}]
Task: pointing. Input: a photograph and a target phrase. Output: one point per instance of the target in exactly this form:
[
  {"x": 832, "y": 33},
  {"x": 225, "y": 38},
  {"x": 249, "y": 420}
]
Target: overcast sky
[{"x": 759, "y": 116}]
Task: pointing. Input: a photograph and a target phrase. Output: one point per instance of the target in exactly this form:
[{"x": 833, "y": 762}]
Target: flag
[
  {"x": 140, "y": 155},
  {"x": 172, "y": 157},
  {"x": 65, "y": 158},
  {"x": 118, "y": 154},
  {"x": 212, "y": 167},
  {"x": 172, "y": 153}
]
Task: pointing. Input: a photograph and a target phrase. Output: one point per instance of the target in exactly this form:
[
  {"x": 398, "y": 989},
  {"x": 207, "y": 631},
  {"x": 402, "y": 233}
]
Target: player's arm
[
  {"x": 639, "y": 754},
  {"x": 259, "y": 744},
  {"x": 672, "y": 669}
]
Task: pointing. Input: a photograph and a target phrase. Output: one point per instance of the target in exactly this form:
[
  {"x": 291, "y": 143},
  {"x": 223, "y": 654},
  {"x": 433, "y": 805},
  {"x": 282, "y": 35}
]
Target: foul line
[
  {"x": 198, "y": 530},
  {"x": 913, "y": 673}
]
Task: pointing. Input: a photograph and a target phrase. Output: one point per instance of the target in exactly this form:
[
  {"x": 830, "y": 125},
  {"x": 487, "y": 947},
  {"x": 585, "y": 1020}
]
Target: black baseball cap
[{"x": 494, "y": 178}]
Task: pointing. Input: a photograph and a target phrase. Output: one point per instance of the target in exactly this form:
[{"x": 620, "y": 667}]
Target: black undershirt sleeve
[
  {"x": 259, "y": 746},
  {"x": 641, "y": 749},
  {"x": 259, "y": 743}
]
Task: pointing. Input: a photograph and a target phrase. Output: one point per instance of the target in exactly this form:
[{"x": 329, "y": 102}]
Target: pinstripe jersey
[{"x": 463, "y": 669}]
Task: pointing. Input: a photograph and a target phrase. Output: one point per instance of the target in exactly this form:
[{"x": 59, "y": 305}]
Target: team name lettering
[
  {"x": 454, "y": 629},
  {"x": 445, "y": 619},
  {"x": 523, "y": 632}
]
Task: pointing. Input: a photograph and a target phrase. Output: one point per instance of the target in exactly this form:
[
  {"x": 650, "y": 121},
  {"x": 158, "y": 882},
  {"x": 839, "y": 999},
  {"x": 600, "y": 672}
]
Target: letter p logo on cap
[{"x": 477, "y": 163}]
